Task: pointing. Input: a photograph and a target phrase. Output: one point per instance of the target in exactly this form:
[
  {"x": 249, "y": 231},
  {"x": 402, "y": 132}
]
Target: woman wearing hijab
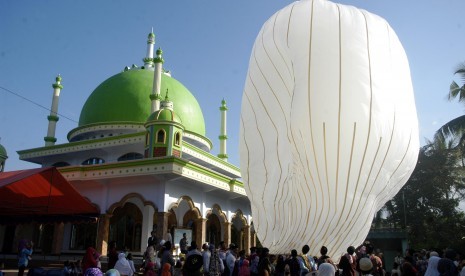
[
  {"x": 432, "y": 269},
  {"x": 93, "y": 271},
  {"x": 216, "y": 265},
  {"x": 90, "y": 259},
  {"x": 326, "y": 269},
  {"x": 122, "y": 265},
  {"x": 166, "y": 270}
]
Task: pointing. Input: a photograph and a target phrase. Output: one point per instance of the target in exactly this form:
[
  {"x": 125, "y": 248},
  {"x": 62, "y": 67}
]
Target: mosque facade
[{"x": 141, "y": 156}]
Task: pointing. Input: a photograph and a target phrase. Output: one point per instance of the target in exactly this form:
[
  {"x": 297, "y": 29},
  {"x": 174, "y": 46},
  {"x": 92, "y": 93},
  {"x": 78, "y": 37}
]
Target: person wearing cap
[
  {"x": 206, "y": 256},
  {"x": 365, "y": 265},
  {"x": 231, "y": 257},
  {"x": 326, "y": 269}
]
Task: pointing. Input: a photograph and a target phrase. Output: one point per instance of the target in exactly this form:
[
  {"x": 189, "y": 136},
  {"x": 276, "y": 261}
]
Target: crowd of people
[{"x": 209, "y": 260}]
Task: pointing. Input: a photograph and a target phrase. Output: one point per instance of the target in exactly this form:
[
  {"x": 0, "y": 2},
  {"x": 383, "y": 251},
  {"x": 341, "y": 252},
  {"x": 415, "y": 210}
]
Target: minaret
[
  {"x": 223, "y": 137},
  {"x": 148, "y": 60},
  {"x": 53, "y": 117},
  {"x": 155, "y": 96}
]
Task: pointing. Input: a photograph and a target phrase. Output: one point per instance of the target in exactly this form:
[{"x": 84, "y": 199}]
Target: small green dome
[
  {"x": 3, "y": 154},
  {"x": 125, "y": 98},
  {"x": 164, "y": 115}
]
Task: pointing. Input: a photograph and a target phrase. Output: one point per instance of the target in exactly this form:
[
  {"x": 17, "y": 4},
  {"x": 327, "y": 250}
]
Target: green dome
[
  {"x": 3, "y": 154},
  {"x": 125, "y": 98},
  {"x": 164, "y": 115}
]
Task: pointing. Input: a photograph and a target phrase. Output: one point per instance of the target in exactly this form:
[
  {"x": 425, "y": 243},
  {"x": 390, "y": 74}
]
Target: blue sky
[{"x": 206, "y": 46}]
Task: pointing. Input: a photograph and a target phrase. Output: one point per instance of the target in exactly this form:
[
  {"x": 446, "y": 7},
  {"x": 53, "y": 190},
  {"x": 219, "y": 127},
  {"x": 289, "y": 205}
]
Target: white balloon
[{"x": 329, "y": 130}]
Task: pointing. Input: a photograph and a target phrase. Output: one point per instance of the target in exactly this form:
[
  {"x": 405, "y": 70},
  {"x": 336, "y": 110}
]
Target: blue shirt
[{"x": 23, "y": 257}]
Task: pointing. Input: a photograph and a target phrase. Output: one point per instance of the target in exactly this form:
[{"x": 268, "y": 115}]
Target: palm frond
[
  {"x": 454, "y": 129},
  {"x": 460, "y": 71}
]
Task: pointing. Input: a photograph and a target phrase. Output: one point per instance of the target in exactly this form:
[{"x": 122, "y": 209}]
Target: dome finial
[
  {"x": 166, "y": 104},
  {"x": 159, "y": 58}
]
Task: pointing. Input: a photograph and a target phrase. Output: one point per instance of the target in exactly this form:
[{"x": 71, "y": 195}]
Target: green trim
[
  {"x": 50, "y": 139},
  {"x": 222, "y": 155},
  {"x": 155, "y": 97},
  {"x": 223, "y": 137},
  {"x": 53, "y": 118},
  {"x": 211, "y": 156},
  {"x": 154, "y": 161},
  {"x": 201, "y": 136},
  {"x": 103, "y": 124},
  {"x": 236, "y": 182},
  {"x": 57, "y": 85},
  {"x": 148, "y": 60},
  {"x": 84, "y": 142},
  {"x": 158, "y": 60}
]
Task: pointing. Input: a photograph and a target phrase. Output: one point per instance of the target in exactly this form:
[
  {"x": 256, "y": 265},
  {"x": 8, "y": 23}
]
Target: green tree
[
  {"x": 428, "y": 203},
  {"x": 454, "y": 130}
]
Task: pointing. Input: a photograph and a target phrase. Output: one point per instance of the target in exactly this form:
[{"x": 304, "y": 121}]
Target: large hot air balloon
[{"x": 329, "y": 130}]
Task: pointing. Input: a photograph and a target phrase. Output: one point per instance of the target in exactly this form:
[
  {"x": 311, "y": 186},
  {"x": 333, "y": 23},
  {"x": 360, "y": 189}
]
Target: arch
[
  {"x": 239, "y": 215},
  {"x": 93, "y": 161},
  {"x": 177, "y": 138},
  {"x": 161, "y": 136},
  {"x": 238, "y": 222},
  {"x": 130, "y": 156},
  {"x": 147, "y": 138},
  {"x": 126, "y": 227},
  {"x": 190, "y": 203},
  {"x": 213, "y": 229},
  {"x": 61, "y": 164},
  {"x": 216, "y": 209},
  {"x": 131, "y": 197}
]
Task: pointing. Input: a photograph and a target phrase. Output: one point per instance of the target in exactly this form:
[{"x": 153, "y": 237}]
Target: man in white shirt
[
  {"x": 231, "y": 256},
  {"x": 206, "y": 255}
]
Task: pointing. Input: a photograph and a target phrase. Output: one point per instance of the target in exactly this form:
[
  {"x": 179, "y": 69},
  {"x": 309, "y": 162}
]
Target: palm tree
[{"x": 453, "y": 132}]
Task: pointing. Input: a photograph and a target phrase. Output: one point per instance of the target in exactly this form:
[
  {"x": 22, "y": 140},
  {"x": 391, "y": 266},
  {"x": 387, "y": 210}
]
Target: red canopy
[{"x": 42, "y": 193}]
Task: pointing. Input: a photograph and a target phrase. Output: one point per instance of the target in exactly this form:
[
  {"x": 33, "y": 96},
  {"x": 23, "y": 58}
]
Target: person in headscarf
[
  {"x": 150, "y": 269},
  {"x": 326, "y": 269},
  {"x": 90, "y": 259},
  {"x": 122, "y": 265},
  {"x": 166, "y": 271},
  {"x": 93, "y": 271},
  {"x": 243, "y": 264},
  {"x": 112, "y": 272},
  {"x": 446, "y": 265},
  {"x": 432, "y": 269},
  {"x": 149, "y": 256},
  {"x": 215, "y": 265}
]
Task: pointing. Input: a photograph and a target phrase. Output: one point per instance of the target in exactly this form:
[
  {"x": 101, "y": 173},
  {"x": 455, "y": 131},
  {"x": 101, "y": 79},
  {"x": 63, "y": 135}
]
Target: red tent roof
[{"x": 40, "y": 193}]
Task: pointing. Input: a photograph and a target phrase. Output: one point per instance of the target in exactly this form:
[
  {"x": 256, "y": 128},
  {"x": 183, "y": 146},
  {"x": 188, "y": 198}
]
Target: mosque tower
[
  {"x": 148, "y": 60},
  {"x": 223, "y": 136},
  {"x": 164, "y": 132},
  {"x": 53, "y": 117},
  {"x": 155, "y": 96}
]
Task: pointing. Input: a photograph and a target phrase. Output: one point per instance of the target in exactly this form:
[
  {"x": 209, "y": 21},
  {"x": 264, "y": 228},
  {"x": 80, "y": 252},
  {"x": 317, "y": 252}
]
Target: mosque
[{"x": 140, "y": 156}]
